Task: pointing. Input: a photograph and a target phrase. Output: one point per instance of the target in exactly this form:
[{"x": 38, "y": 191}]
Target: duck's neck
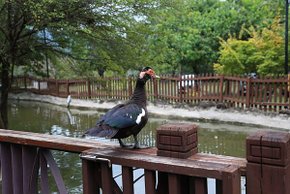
[{"x": 139, "y": 95}]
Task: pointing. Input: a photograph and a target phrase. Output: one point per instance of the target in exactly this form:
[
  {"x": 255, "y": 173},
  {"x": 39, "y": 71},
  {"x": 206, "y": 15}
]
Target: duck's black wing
[
  {"x": 126, "y": 116},
  {"x": 120, "y": 118}
]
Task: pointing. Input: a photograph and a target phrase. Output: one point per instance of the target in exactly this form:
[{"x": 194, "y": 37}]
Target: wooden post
[
  {"x": 57, "y": 88},
  {"x": 89, "y": 89},
  {"x": 180, "y": 92},
  {"x": 128, "y": 180},
  {"x": 67, "y": 87},
  {"x": 177, "y": 141},
  {"x": 231, "y": 181},
  {"x": 288, "y": 93},
  {"x": 91, "y": 176},
  {"x": 155, "y": 89},
  {"x": 130, "y": 89},
  {"x": 268, "y": 169},
  {"x": 6, "y": 165},
  {"x": 221, "y": 88},
  {"x": 38, "y": 84},
  {"x": 248, "y": 92},
  {"x": 25, "y": 82}
]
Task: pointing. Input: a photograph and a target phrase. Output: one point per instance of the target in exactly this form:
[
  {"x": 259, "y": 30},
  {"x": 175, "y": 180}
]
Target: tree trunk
[
  {"x": 1, "y": 123},
  {"x": 4, "y": 94}
]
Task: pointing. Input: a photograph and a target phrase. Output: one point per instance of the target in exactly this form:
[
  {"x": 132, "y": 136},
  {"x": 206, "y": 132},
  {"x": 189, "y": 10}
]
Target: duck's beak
[{"x": 152, "y": 74}]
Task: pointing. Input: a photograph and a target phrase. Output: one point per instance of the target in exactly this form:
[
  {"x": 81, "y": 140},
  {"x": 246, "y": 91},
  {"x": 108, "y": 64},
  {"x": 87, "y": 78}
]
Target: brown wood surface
[
  {"x": 127, "y": 179},
  {"x": 189, "y": 167},
  {"x": 78, "y": 145},
  {"x": 224, "y": 168}
]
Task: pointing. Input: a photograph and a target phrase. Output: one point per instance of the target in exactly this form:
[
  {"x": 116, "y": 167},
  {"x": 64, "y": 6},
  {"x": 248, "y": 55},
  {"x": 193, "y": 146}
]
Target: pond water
[{"x": 213, "y": 137}]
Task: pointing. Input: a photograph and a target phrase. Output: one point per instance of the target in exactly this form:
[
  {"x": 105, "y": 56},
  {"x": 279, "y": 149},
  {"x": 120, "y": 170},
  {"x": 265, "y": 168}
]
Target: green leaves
[
  {"x": 263, "y": 52},
  {"x": 173, "y": 36},
  {"x": 100, "y": 35},
  {"x": 188, "y": 33}
]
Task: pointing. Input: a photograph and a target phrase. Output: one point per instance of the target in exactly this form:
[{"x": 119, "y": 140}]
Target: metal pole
[{"x": 286, "y": 35}]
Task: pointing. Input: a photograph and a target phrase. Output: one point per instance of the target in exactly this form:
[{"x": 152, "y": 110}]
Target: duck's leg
[
  {"x": 123, "y": 145},
  {"x": 137, "y": 145}
]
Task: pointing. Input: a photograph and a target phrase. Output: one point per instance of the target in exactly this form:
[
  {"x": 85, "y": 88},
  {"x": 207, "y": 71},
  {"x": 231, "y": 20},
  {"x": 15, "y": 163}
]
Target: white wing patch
[{"x": 139, "y": 117}]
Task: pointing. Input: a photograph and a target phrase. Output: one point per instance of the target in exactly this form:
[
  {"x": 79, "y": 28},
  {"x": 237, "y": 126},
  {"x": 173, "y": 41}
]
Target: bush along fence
[{"x": 269, "y": 93}]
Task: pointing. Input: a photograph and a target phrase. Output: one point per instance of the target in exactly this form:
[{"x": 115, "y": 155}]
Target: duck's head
[{"x": 147, "y": 73}]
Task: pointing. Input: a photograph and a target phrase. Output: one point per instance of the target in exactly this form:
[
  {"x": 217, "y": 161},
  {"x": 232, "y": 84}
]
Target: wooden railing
[
  {"x": 269, "y": 94},
  {"x": 174, "y": 167}
]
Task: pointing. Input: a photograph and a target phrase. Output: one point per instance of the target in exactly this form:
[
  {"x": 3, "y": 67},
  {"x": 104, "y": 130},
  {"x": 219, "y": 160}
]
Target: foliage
[
  {"x": 93, "y": 34},
  {"x": 187, "y": 36},
  {"x": 263, "y": 52},
  {"x": 88, "y": 38}
]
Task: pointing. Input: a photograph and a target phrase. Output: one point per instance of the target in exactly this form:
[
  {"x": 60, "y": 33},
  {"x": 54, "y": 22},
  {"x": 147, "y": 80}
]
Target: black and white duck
[{"x": 126, "y": 119}]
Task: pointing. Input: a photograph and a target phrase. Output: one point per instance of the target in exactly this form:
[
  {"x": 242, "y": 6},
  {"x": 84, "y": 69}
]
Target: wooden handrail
[
  {"x": 54, "y": 142},
  {"x": 189, "y": 167},
  {"x": 78, "y": 145},
  {"x": 198, "y": 165},
  {"x": 266, "y": 150}
]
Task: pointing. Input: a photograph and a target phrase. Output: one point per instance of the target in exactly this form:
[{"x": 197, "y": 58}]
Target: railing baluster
[
  {"x": 7, "y": 183},
  {"x": 91, "y": 177},
  {"x": 106, "y": 172},
  {"x": 17, "y": 170},
  {"x": 200, "y": 185},
  {"x": 174, "y": 184},
  {"x": 30, "y": 167},
  {"x": 219, "y": 186},
  {"x": 231, "y": 182},
  {"x": 162, "y": 186},
  {"x": 127, "y": 178},
  {"x": 0, "y": 165},
  {"x": 44, "y": 176},
  {"x": 150, "y": 180}
]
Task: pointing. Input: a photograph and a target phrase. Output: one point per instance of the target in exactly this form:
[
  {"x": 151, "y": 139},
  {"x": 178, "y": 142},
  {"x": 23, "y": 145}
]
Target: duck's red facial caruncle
[{"x": 148, "y": 71}]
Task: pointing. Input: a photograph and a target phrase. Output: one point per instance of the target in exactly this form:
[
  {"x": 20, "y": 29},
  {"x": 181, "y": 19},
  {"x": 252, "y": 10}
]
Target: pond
[{"x": 213, "y": 137}]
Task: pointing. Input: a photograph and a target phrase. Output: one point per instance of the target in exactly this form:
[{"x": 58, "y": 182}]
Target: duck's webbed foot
[
  {"x": 123, "y": 145},
  {"x": 137, "y": 145}
]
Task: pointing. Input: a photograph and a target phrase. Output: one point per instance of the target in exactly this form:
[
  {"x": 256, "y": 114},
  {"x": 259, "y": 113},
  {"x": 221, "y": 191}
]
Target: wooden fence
[
  {"x": 174, "y": 167},
  {"x": 269, "y": 94}
]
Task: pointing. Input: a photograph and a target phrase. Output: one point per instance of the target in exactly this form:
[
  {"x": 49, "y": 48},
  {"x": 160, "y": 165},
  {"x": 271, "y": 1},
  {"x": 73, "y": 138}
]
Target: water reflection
[{"x": 216, "y": 138}]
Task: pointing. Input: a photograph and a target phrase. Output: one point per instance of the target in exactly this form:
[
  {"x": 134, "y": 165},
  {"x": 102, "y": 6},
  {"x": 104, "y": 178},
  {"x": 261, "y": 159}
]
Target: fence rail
[{"x": 269, "y": 94}]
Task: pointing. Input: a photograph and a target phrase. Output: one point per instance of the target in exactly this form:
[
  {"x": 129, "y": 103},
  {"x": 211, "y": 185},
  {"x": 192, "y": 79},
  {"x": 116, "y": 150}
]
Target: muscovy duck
[{"x": 126, "y": 119}]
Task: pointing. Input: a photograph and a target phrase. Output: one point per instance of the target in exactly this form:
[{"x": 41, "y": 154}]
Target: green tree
[
  {"x": 187, "y": 34},
  {"x": 91, "y": 32},
  {"x": 236, "y": 57},
  {"x": 263, "y": 52}
]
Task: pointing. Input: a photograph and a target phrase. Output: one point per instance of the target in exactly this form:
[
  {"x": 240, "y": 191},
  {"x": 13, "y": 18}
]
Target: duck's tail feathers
[{"x": 101, "y": 131}]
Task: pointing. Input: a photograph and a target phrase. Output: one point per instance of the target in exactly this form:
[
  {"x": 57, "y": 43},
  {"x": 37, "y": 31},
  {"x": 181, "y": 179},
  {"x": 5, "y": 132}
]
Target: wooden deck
[
  {"x": 78, "y": 145},
  {"x": 25, "y": 158}
]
